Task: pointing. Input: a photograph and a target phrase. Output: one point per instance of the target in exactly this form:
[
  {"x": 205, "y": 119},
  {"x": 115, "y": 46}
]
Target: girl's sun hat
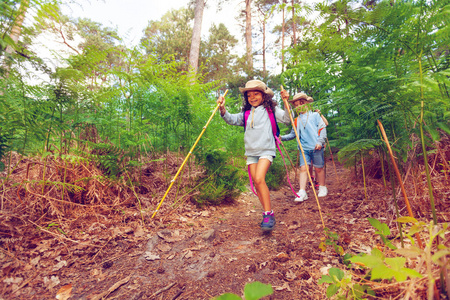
[
  {"x": 300, "y": 96},
  {"x": 257, "y": 85}
]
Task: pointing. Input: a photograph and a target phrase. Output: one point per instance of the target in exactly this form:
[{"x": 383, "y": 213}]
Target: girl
[{"x": 258, "y": 137}]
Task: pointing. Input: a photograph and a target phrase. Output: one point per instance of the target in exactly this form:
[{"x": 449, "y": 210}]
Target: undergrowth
[{"x": 224, "y": 182}]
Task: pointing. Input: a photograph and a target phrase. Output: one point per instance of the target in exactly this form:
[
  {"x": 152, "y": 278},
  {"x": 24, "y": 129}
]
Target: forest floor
[{"x": 193, "y": 253}]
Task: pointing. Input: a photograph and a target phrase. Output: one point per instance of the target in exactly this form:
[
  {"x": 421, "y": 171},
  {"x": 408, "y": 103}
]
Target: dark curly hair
[{"x": 268, "y": 102}]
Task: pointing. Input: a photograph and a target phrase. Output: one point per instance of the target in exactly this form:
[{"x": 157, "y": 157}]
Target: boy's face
[
  {"x": 300, "y": 106},
  {"x": 255, "y": 98}
]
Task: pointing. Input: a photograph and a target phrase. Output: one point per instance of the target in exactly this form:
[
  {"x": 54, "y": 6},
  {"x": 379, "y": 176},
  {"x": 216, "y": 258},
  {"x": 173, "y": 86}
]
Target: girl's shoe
[{"x": 268, "y": 222}]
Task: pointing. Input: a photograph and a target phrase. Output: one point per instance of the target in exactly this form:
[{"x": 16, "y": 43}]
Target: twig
[
  {"x": 61, "y": 236},
  {"x": 114, "y": 287},
  {"x": 179, "y": 293},
  {"x": 163, "y": 289},
  {"x": 100, "y": 250}
]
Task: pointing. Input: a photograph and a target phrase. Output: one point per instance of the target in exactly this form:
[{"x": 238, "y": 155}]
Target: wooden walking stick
[
  {"x": 399, "y": 178},
  {"x": 187, "y": 157},
  {"x": 303, "y": 155}
]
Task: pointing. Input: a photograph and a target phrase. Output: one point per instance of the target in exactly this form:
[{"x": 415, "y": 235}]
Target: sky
[{"x": 130, "y": 17}]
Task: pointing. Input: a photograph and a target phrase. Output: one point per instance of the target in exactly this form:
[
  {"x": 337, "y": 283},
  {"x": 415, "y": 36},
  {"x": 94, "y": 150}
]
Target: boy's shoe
[
  {"x": 302, "y": 196},
  {"x": 323, "y": 191},
  {"x": 268, "y": 222}
]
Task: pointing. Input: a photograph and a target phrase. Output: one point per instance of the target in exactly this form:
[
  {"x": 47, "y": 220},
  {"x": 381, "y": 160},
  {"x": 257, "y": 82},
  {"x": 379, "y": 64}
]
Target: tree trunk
[
  {"x": 196, "y": 36},
  {"x": 264, "y": 47},
  {"x": 248, "y": 33},
  {"x": 16, "y": 30},
  {"x": 294, "y": 38},
  {"x": 282, "y": 41}
]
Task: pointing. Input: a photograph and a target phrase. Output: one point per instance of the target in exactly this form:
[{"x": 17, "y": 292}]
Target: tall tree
[
  {"x": 16, "y": 30},
  {"x": 170, "y": 37},
  {"x": 217, "y": 55},
  {"x": 196, "y": 36},
  {"x": 248, "y": 34},
  {"x": 264, "y": 8}
]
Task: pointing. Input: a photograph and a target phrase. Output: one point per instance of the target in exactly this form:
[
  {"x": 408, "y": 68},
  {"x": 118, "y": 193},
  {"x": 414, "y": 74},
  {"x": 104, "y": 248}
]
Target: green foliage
[
  {"x": 362, "y": 63},
  {"x": 385, "y": 267},
  {"x": 55, "y": 225},
  {"x": 109, "y": 158},
  {"x": 331, "y": 240},
  {"x": 225, "y": 180},
  {"x": 276, "y": 175},
  {"x": 252, "y": 291},
  {"x": 342, "y": 285},
  {"x": 348, "y": 152},
  {"x": 3, "y": 148},
  {"x": 381, "y": 267},
  {"x": 383, "y": 230}
]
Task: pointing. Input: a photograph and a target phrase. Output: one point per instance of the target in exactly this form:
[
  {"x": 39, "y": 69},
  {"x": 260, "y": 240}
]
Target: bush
[
  {"x": 276, "y": 175},
  {"x": 222, "y": 181}
]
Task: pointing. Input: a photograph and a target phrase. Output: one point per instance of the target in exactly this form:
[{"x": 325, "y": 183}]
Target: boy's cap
[
  {"x": 299, "y": 96},
  {"x": 256, "y": 85},
  {"x": 310, "y": 99}
]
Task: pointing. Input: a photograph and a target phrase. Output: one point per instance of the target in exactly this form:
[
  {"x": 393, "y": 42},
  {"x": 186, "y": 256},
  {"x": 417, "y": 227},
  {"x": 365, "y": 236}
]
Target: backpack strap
[{"x": 246, "y": 115}]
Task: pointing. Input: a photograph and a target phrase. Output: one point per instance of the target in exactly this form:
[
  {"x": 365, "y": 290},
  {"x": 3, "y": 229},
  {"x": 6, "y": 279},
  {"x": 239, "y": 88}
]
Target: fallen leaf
[
  {"x": 150, "y": 256},
  {"x": 285, "y": 286},
  {"x": 64, "y": 292}
]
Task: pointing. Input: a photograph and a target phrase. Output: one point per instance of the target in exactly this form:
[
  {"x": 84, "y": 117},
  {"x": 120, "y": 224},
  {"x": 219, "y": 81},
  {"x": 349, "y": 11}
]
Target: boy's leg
[
  {"x": 319, "y": 166},
  {"x": 320, "y": 175},
  {"x": 303, "y": 177},
  {"x": 258, "y": 172}
]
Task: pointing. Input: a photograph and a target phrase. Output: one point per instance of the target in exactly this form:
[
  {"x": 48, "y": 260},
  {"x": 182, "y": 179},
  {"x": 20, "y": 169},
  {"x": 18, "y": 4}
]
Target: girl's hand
[
  {"x": 318, "y": 111},
  {"x": 285, "y": 95},
  {"x": 221, "y": 102}
]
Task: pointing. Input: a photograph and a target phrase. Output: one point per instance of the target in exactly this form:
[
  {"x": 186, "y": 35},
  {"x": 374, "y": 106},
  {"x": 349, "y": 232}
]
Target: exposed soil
[{"x": 192, "y": 253}]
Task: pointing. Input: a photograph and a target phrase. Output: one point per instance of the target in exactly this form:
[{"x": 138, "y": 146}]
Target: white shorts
[{"x": 255, "y": 159}]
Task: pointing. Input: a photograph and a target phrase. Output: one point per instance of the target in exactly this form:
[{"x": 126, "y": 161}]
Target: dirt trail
[{"x": 198, "y": 254}]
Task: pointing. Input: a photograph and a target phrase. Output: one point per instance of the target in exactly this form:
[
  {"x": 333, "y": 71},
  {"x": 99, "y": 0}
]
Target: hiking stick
[
  {"x": 399, "y": 177},
  {"x": 332, "y": 159},
  {"x": 292, "y": 164},
  {"x": 187, "y": 157},
  {"x": 286, "y": 104}
]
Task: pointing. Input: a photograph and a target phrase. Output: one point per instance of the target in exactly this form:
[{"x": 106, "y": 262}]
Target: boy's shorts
[
  {"x": 315, "y": 155},
  {"x": 255, "y": 159}
]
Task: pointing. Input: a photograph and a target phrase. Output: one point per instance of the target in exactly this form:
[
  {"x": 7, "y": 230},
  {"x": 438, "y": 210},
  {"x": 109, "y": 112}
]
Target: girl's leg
[
  {"x": 303, "y": 177},
  {"x": 258, "y": 172}
]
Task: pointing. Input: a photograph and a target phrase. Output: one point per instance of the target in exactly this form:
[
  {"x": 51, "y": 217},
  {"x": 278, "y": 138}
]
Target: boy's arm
[
  {"x": 322, "y": 116},
  {"x": 322, "y": 137},
  {"x": 289, "y": 136}
]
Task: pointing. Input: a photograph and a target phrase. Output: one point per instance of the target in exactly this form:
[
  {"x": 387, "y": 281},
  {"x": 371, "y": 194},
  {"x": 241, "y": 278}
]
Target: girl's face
[{"x": 255, "y": 98}]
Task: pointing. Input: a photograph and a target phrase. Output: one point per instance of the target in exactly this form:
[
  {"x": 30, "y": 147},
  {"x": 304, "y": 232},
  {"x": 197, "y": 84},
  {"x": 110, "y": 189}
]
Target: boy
[{"x": 312, "y": 132}]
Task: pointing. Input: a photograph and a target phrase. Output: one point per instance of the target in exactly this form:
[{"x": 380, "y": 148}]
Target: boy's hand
[{"x": 318, "y": 147}]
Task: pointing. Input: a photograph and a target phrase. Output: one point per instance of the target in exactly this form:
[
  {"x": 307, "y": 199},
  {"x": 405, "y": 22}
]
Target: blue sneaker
[{"x": 268, "y": 222}]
